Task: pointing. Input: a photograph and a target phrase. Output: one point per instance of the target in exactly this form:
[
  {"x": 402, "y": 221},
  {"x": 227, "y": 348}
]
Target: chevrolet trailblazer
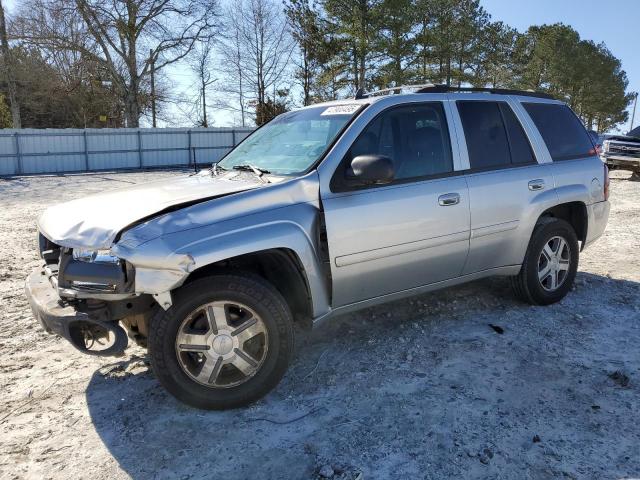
[{"x": 326, "y": 209}]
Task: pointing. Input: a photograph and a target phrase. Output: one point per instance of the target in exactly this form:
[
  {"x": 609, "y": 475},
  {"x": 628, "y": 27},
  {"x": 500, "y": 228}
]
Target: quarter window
[{"x": 564, "y": 134}]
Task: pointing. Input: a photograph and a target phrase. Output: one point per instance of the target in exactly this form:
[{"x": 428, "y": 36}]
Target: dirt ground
[{"x": 422, "y": 388}]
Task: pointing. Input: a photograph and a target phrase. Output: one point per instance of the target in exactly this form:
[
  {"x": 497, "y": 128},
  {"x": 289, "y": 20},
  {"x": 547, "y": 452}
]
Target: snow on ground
[{"x": 420, "y": 388}]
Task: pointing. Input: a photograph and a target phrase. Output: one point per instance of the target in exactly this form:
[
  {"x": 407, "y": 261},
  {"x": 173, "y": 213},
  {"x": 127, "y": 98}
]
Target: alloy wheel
[
  {"x": 553, "y": 263},
  {"x": 222, "y": 344}
]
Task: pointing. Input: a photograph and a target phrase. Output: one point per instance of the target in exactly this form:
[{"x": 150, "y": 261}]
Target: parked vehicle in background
[
  {"x": 327, "y": 209},
  {"x": 597, "y": 140},
  {"x": 623, "y": 151}
]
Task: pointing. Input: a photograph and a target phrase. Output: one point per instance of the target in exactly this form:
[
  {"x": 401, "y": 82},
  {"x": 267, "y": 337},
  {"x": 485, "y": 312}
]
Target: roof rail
[
  {"x": 386, "y": 91},
  {"x": 498, "y": 91}
]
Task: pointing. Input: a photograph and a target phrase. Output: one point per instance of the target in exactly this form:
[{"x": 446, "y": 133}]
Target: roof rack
[
  {"x": 441, "y": 88},
  {"x": 498, "y": 91},
  {"x": 386, "y": 91}
]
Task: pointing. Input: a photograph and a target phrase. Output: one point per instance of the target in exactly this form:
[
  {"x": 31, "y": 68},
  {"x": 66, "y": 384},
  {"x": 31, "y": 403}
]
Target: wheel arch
[
  {"x": 575, "y": 213},
  {"x": 281, "y": 267}
]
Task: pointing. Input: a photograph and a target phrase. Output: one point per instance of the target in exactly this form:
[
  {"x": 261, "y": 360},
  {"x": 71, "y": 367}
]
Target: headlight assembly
[{"x": 94, "y": 256}]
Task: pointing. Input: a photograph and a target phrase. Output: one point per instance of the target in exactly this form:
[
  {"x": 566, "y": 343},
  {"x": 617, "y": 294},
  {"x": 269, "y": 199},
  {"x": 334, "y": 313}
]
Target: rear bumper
[
  {"x": 598, "y": 214},
  {"x": 58, "y": 317}
]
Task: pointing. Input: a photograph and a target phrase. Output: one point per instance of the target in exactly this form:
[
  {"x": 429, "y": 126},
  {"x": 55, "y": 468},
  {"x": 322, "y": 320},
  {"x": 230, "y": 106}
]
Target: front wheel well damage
[
  {"x": 575, "y": 213},
  {"x": 279, "y": 266}
]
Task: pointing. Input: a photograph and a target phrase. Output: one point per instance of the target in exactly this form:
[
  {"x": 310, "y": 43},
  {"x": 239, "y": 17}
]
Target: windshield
[
  {"x": 635, "y": 132},
  {"x": 293, "y": 141}
]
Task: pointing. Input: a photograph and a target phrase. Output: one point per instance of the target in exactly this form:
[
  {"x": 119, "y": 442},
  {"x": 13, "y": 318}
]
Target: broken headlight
[{"x": 94, "y": 256}]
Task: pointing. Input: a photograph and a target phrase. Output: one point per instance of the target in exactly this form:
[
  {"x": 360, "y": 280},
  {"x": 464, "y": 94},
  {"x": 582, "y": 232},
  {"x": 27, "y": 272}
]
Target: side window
[
  {"x": 485, "y": 133},
  {"x": 521, "y": 152},
  {"x": 564, "y": 134},
  {"x": 414, "y": 136}
]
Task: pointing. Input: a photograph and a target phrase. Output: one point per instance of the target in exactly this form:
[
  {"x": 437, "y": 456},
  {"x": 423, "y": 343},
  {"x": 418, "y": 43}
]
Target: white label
[{"x": 341, "y": 109}]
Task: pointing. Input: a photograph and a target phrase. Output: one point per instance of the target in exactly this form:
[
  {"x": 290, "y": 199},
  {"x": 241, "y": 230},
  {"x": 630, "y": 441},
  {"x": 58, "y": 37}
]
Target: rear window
[
  {"x": 562, "y": 131},
  {"x": 485, "y": 133},
  {"x": 494, "y": 135},
  {"x": 521, "y": 152}
]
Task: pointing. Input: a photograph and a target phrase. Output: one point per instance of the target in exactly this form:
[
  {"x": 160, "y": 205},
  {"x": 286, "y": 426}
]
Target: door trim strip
[{"x": 400, "y": 249}]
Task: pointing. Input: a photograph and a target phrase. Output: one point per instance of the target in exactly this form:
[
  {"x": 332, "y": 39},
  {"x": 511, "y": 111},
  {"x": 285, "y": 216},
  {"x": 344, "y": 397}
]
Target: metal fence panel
[
  {"x": 29, "y": 151},
  {"x": 112, "y": 148}
]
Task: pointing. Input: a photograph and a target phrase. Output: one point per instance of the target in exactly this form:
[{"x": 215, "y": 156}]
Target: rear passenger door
[{"x": 504, "y": 180}]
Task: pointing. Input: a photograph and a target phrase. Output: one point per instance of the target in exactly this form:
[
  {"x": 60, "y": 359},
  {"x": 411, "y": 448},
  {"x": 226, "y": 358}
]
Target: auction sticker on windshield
[{"x": 341, "y": 110}]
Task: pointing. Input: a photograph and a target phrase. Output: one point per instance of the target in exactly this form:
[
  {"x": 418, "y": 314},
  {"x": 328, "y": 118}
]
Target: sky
[{"x": 614, "y": 22}]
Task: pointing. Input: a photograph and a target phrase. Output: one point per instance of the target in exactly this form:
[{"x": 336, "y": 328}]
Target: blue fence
[{"x": 32, "y": 151}]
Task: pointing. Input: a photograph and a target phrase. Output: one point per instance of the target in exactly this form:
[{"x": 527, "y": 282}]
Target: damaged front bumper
[{"x": 89, "y": 331}]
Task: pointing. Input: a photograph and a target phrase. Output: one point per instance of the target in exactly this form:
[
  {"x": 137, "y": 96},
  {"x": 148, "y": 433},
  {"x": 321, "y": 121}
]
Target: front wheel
[
  {"x": 224, "y": 343},
  {"x": 550, "y": 264}
]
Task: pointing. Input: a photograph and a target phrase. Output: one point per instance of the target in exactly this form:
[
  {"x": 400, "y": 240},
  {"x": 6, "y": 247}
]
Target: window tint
[
  {"x": 519, "y": 144},
  {"x": 415, "y": 137},
  {"x": 485, "y": 134},
  {"x": 564, "y": 134}
]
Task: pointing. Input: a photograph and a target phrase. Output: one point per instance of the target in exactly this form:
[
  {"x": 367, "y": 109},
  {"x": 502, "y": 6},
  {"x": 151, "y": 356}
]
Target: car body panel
[
  {"x": 395, "y": 237},
  {"x": 96, "y": 220},
  {"x": 283, "y": 215},
  {"x": 504, "y": 212}
]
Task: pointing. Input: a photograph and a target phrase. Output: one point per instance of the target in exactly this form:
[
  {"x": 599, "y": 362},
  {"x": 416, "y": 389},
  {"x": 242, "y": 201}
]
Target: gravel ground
[{"x": 421, "y": 388}]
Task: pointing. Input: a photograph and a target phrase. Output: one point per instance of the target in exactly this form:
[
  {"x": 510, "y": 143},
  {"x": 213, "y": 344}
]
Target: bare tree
[
  {"x": 257, "y": 50},
  {"x": 7, "y": 66},
  {"x": 122, "y": 32},
  {"x": 200, "y": 63}
]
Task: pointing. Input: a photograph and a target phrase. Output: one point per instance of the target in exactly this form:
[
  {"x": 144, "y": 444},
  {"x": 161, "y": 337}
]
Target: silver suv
[{"x": 327, "y": 209}]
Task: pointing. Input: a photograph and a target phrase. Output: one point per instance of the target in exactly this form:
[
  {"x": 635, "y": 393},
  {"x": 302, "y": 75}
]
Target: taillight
[
  {"x": 596, "y": 150},
  {"x": 606, "y": 182}
]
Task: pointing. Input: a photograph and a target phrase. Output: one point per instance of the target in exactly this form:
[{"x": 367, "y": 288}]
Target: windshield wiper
[
  {"x": 215, "y": 168},
  {"x": 252, "y": 168}
]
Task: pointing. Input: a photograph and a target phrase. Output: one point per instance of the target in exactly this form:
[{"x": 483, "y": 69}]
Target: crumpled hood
[{"x": 96, "y": 220}]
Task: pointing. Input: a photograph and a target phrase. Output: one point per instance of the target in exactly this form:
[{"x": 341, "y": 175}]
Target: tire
[
  {"x": 527, "y": 285},
  {"x": 183, "y": 369}
]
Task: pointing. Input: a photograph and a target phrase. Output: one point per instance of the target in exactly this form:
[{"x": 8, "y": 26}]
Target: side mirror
[{"x": 370, "y": 170}]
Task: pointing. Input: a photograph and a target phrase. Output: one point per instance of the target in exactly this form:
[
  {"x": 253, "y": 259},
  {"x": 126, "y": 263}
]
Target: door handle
[
  {"x": 537, "y": 184},
  {"x": 449, "y": 199}
]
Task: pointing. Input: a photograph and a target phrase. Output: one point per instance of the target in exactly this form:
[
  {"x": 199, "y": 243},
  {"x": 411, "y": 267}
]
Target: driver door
[{"x": 411, "y": 232}]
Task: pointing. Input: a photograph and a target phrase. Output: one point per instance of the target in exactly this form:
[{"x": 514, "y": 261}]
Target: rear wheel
[
  {"x": 550, "y": 264},
  {"x": 225, "y": 342}
]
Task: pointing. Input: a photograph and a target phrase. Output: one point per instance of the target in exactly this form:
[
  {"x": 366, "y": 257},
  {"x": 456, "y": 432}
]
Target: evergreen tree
[
  {"x": 396, "y": 42},
  {"x": 5, "y": 113}
]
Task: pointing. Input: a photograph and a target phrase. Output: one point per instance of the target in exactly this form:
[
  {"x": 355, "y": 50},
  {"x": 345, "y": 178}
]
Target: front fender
[{"x": 164, "y": 263}]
